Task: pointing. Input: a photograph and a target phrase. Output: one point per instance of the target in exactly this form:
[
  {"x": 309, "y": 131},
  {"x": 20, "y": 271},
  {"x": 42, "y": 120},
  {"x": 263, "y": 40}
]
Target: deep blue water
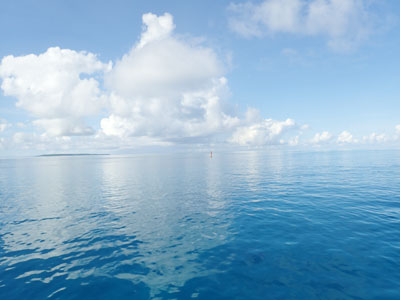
[{"x": 249, "y": 225}]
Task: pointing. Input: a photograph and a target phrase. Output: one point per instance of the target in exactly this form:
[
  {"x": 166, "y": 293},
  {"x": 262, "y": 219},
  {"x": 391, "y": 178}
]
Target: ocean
[{"x": 245, "y": 225}]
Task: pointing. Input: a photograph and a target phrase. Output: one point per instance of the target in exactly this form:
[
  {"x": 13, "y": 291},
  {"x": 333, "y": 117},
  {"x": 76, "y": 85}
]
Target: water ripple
[{"x": 247, "y": 225}]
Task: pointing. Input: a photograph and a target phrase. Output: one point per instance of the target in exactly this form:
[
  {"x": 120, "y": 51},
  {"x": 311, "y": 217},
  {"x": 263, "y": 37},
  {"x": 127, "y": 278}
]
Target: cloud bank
[{"x": 165, "y": 90}]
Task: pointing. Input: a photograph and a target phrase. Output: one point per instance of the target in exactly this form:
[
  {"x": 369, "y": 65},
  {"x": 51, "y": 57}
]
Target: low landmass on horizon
[{"x": 72, "y": 154}]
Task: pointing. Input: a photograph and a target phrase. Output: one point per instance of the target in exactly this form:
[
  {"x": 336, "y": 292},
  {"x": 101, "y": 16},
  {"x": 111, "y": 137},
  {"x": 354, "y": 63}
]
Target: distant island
[{"x": 71, "y": 154}]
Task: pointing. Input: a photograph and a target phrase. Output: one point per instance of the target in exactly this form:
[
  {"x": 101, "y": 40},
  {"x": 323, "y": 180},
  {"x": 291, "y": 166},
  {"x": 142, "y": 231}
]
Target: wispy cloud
[
  {"x": 344, "y": 23},
  {"x": 4, "y": 125},
  {"x": 398, "y": 129}
]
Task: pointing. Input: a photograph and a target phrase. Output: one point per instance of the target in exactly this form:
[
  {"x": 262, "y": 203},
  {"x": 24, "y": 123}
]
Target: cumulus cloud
[
  {"x": 265, "y": 132},
  {"x": 375, "y": 138},
  {"x": 321, "y": 138},
  {"x": 345, "y": 138},
  {"x": 166, "y": 87},
  {"x": 165, "y": 90},
  {"x": 162, "y": 64},
  {"x": 52, "y": 87},
  {"x": 156, "y": 28},
  {"x": 344, "y": 23},
  {"x": 169, "y": 89}
]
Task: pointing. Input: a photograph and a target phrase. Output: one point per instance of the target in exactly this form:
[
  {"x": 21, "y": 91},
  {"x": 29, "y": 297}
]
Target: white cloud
[
  {"x": 162, "y": 64},
  {"x": 64, "y": 127},
  {"x": 396, "y": 136},
  {"x": 321, "y": 138},
  {"x": 345, "y": 138},
  {"x": 52, "y": 86},
  {"x": 265, "y": 132},
  {"x": 375, "y": 138},
  {"x": 4, "y": 125},
  {"x": 167, "y": 88},
  {"x": 343, "y": 22},
  {"x": 20, "y": 137},
  {"x": 96, "y": 143},
  {"x": 156, "y": 28},
  {"x": 294, "y": 141}
]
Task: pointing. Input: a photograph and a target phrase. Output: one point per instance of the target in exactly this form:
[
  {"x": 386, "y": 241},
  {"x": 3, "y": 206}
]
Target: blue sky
[{"x": 236, "y": 74}]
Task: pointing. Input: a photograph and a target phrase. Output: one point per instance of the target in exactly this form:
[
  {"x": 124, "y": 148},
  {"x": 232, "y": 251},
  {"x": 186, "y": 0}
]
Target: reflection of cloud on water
[
  {"x": 214, "y": 176},
  {"x": 252, "y": 175},
  {"x": 146, "y": 220},
  {"x": 140, "y": 219},
  {"x": 174, "y": 201},
  {"x": 57, "y": 227},
  {"x": 40, "y": 201}
]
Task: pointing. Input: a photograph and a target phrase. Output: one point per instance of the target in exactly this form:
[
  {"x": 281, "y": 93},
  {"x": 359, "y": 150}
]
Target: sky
[{"x": 124, "y": 76}]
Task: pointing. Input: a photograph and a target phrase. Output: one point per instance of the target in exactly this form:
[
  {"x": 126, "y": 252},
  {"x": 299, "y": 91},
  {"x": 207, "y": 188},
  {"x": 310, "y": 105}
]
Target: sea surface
[{"x": 246, "y": 225}]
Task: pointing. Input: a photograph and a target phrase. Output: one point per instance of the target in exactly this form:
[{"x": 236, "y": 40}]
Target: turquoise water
[{"x": 245, "y": 225}]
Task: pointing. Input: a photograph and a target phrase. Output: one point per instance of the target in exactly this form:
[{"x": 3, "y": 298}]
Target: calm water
[{"x": 238, "y": 226}]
